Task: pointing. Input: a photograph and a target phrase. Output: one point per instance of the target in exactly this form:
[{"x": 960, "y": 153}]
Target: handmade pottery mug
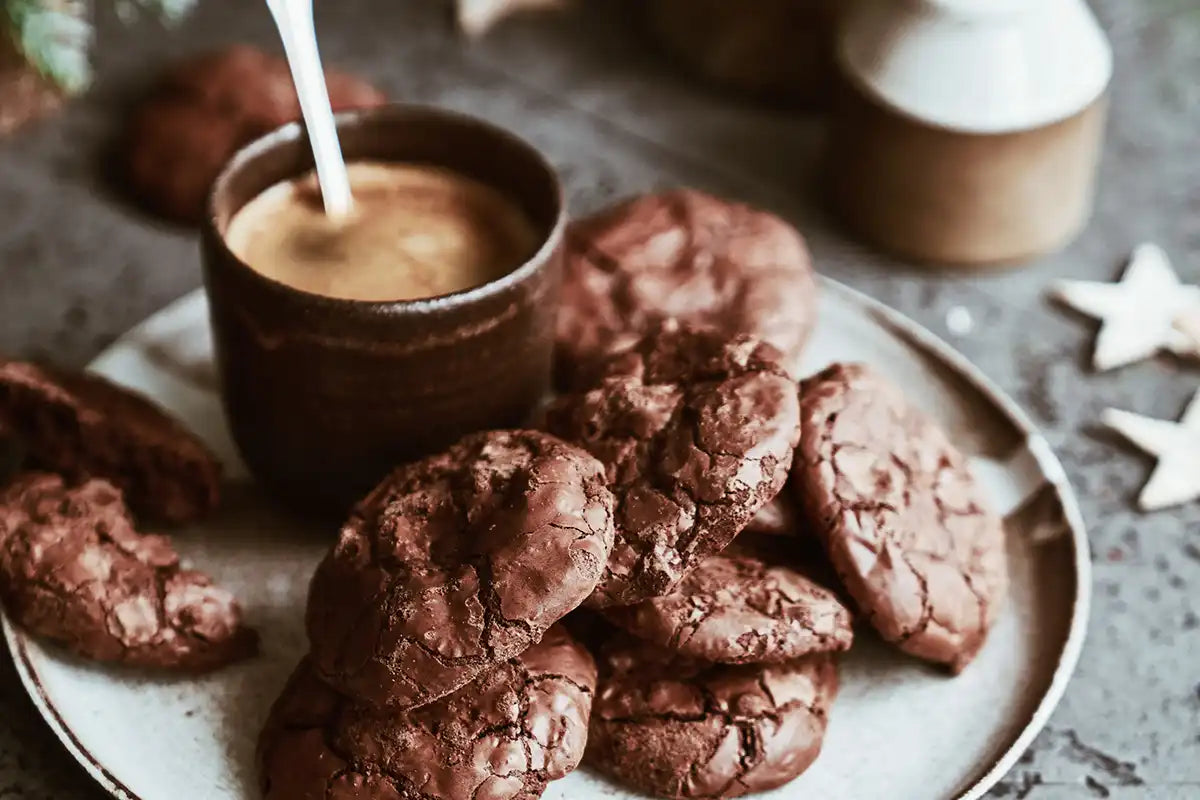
[{"x": 325, "y": 395}]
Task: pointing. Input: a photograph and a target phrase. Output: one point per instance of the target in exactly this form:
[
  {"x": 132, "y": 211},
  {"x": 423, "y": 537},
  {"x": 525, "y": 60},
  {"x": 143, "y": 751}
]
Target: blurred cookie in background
[{"x": 202, "y": 112}]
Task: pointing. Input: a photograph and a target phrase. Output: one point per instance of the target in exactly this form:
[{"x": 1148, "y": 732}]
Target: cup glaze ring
[{"x": 325, "y": 395}]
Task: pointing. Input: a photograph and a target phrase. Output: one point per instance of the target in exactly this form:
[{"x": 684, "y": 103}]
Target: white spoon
[{"x": 294, "y": 18}]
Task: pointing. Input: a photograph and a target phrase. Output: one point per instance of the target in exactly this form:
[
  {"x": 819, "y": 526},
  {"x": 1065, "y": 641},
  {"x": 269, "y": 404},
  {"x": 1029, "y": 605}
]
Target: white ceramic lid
[{"x": 979, "y": 66}]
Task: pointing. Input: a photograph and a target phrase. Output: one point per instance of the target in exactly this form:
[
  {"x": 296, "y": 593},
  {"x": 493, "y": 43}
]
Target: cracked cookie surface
[
  {"x": 73, "y": 570},
  {"x": 503, "y": 737},
  {"x": 903, "y": 521},
  {"x": 687, "y": 255},
  {"x": 456, "y": 563},
  {"x": 675, "y": 727},
  {"x": 84, "y": 426},
  {"x": 203, "y": 111},
  {"x": 696, "y": 431},
  {"x": 738, "y": 609}
]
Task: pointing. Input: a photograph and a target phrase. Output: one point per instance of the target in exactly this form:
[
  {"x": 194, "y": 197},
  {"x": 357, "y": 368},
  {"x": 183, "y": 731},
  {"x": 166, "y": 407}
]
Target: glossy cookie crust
[
  {"x": 903, "y": 521},
  {"x": 696, "y": 432},
  {"x": 456, "y": 563},
  {"x": 678, "y": 728},
  {"x": 73, "y": 570},
  {"x": 502, "y": 737}
]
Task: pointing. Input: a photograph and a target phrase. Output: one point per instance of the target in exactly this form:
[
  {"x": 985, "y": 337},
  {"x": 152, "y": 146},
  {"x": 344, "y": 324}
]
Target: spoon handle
[{"x": 294, "y": 18}]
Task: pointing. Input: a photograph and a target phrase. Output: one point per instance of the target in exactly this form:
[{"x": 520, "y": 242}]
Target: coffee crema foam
[{"x": 416, "y": 231}]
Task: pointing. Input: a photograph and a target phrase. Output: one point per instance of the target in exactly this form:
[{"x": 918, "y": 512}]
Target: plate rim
[
  {"x": 918, "y": 336},
  {"x": 17, "y": 644},
  {"x": 1052, "y": 468}
]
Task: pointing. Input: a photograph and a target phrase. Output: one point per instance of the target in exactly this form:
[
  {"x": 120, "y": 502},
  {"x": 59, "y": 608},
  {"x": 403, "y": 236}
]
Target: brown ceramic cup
[{"x": 326, "y": 395}]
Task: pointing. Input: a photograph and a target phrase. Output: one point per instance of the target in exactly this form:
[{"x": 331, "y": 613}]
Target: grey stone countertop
[{"x": 78, "y": 267}]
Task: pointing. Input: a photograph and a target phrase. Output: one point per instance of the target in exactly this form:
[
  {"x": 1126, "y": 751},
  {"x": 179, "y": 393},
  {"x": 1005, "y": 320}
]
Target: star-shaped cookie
[
  {"x": 1148, "y": 311},
  {"x": 1176, "y": 445},
  {"x": 476, "y": 17}
]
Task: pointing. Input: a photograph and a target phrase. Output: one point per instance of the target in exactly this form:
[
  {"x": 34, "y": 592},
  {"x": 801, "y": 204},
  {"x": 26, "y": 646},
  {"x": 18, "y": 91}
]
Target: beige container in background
[{"x": 969, "y": 130}]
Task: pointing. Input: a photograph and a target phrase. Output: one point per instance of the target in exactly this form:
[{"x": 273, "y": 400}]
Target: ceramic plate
[{"x": 928, "y": 736}]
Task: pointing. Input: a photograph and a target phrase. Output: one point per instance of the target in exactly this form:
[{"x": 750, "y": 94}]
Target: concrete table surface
[{"x": 78, "y": 267}]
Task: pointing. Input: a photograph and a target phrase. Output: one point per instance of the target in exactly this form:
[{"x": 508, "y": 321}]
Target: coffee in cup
[{"x": 416, "y": 231}]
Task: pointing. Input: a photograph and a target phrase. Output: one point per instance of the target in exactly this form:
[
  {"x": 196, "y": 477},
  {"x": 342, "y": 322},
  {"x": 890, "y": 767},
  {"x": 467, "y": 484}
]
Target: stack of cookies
[
  {"x": 437, "y": 668},
  {"x": 718, "y": 524},
  {"x": 84, "y": 460},
  {"x": 722, "y": 678}
]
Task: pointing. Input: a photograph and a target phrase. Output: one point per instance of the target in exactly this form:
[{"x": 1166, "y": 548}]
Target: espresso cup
[{"x": 325, "y": 395}]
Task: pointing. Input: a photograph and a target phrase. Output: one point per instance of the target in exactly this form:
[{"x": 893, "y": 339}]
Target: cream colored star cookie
[
  {"x": 1176, "y": 445},
  {"x": 1147, "y": 311}
]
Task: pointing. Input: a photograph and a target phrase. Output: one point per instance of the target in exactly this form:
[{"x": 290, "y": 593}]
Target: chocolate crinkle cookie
[
  {"x": 203, "y": 111},
  {"x": 83, "y": 426},
  {"x": 696, "y": 431},
  {"x": 674, "y": 727},
  {"x": 73, "y": 570},
  {"x": 456, "y": 563},
  {"x": 903, "y": 521},
  {"x": 735, "y": 608},
  {"x": 687, "y": 255},
  {"x": 503, "y": 737}
]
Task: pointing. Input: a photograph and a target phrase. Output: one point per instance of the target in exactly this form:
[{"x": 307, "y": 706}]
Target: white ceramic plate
[{"x": 899, "y": 729}]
